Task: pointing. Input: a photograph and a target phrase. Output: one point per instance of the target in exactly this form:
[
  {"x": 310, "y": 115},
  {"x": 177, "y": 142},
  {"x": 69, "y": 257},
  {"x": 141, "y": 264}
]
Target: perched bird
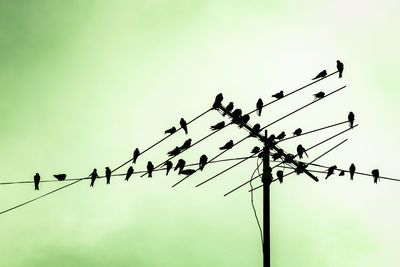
[
  {"x": 183, "y": 124},
  {"x": 352, "y": 170},
  {"x": 229, "y": 108},
  {"x": 60, "y": 177},
  {"x": 136, "y": 154},
  {"x": 261, "y": 155},
  {"x": 129, "y": 173},
  {"x": 300, "y": 168},
  {"x": 169, "y": 164},
  {"x": 320, "y": 75},
  {"x": 227, "y": 146},
  {"x": 150, "y": 168},
  {"x": 170, "y": 130},
  {"x": 174, "y": 152},
  {"x": 203, "y": 161},
  {"x": 300, "y": 151},
  {"x": 278, "y": 154},
  {"x": 93, "y": 176},
  {"x": 281, "y": 135},
  {"x": 186, "y": 144},
  {"x": 278, "y": 95},
  {"x": 289, "y": 157},
  {"x": 340, "y": 67},
  {"x": 180, "y": 165},
  {"x": 218, "y": 126},
  {"x": 330, "y": 171},
  {"x": 319, "y": 95},
  {"x": 108, "y": 175},
  {"x": 259, "y": 106},
  {"x": 297, "y": 132},
  {"x": 341, "y": 173},
  {"x": 218, "y": 101},
  {"x": 271, "y": 139},
  {"x": 237, "y": 114},
  {"x": 255, "y": 150},
  {"x": 375, "y": 174},
  {"x": 36, "y": 179},
  {"x": 279, "y": 174},
  {"x": 243, "y": 120},
  {"x": 350, "y": 118},
  {"x": 255, "y": 130},
  {"x": 188, "y": 172}
]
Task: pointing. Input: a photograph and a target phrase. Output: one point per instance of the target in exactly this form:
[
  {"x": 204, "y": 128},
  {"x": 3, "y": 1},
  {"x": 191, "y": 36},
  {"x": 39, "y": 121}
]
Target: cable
[{"x": 254, "y": 209}]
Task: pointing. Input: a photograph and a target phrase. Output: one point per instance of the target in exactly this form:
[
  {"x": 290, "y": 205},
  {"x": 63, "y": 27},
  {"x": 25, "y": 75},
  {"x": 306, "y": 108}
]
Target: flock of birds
[{"x": 240, "y": 120}]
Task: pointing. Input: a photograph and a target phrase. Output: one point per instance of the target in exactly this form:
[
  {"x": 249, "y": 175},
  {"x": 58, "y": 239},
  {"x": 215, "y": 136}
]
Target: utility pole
[{"x": 266, "y": 179}]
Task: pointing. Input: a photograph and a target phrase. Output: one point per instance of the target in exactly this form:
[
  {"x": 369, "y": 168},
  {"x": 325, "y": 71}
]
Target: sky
[{"x": 86, "y": 82}]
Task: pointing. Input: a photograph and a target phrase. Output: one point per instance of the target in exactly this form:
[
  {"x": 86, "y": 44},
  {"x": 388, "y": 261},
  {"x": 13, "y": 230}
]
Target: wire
[{"x": 252, "y": 204}]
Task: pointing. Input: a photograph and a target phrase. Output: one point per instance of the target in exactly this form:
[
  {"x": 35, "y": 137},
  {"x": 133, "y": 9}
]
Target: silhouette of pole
[{"x": 266, "y": 179}]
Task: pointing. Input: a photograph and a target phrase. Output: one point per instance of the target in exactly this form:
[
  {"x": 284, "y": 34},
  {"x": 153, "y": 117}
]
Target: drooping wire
[{"x": 252, "y": 204}]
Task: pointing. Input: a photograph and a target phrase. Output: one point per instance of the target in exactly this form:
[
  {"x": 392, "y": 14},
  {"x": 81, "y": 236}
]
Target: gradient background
[{"x": 85, "y": 82}]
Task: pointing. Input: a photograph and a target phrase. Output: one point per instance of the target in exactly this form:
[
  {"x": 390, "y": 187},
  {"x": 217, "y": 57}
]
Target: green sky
[{"x": 85, "y": 82}]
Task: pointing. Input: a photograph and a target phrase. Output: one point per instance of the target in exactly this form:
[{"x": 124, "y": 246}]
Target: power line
[{"x": 254, "y": 209}]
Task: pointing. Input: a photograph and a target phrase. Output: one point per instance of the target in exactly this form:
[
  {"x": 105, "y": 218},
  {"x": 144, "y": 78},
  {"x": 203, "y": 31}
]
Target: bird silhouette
[
  {"x": 259, "y": 106},
  {"x": 150, "y": 168},
  {"x": 319, "y": 95},
  {"x": 183, "y": 124},
  {"x": 180, "y": 165},
  {"x": 340, "y": 67},
  {"x": 300, "y": 167},
  {"x": 320, "y": 75},
  {"x": 218, "y": 101},
  {"x": 278, "y": 95},
  {"x": 300, "y": 151},
  {"x": 350, "y": 118},
  {"x": 375, "y": 174},
  {"x": 60, "y": 177},
  {"x": 229, "y": 108},
  {"x": 255, "y": 130},
  {"x": 243, "y": 120},
  {"x": 169, "y": 165},
  {"x": 186, "y": 144},
  {"x": 129, "y": 173},
  {"x": 218, "y": 126},
  {"x": 330, "y": 171},
  {"x": 188, "y": 172},
  {"x": 271, "y": 140},
  {"x": 203, "y": 161},
  {"x": 108, "y": 175},
  {"x": 279, "y": 174},
  {"x": 288, "y": 158},
  {"x": 237, "y": 114},
  {"x": 278, "y": 154},
  {"x": 174, "y": 152},
  {"x": 341, "y": 173},
  {"x": 281, "y": 135},
  {"x": 136, "y": 154},
  {"x": 255, "y": 150},
  {"x": 93, "y": 177},
  {"x": 227, "y": 146},
  {"x": 352, "y": 170},
  {"x": 297, "y": 132},
  {"x": 36, "y": 179},
  {"x": 170, "y": 130}
]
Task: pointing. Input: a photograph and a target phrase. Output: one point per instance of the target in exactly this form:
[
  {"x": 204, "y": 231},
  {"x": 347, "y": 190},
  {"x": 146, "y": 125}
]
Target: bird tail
[
  {"x": 36, "y": 187},
  {"x": 340, "y": 75},
  {"x": 150, "y": 175},
  {"x": 259, "y": 112}
]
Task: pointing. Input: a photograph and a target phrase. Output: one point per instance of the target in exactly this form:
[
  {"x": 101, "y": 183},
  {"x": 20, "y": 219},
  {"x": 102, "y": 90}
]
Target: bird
[
  {"x": 186, "y": 144},
  {"x": 341, "y": 173},
  {"x": 36, "y": 179},
  {"x": 180, "y": 165},
  {"x": 301, "y": 167},
  {"x": 281, "y": 135},
  {"x": 319, "y": 95},
  {"x": 375, "y": 174},
  {"x": 183, "y": 124},
  {"x": 227, "y": 146},
  {"x": 352, "y": 170},
  {"x": 229, "y": 108},
  {"x": 237, "y": 114},
  {"x": 108, "y": 175},
  {"x": 278, "y": 154},
  {"x": 255, "y": 150},
  {"x": 288, "y": 158},
  {"x": 129, "y": 173},
  {"x": 168, "y": 163},
  {"x": 300, "y": 151},
  {"x": 297, "y": 132},
  {"x": 350, "y": 118},
  {"x": 255, "y": 130},
  {"x": 330, "y": 171},
  {"x": 279, "y": 174},
  {"x": 259, "y": 106},
  {"x": 136, "y": 154},
  {"x": 170, "y": 130},
  {"x": 150, "y": 168},
  {"x": 218, "y": 101},
  {"x": 320, "y": 75},
  {"x": 60, "y": 177},
  {"x": 278, "y": 95},
  {"x": 218, "y": 126},
  {"x": 188, "y": 172},
  {"x": 174, "y": 152},
  {"x": 271, "y": 139},
  {"x": 340, "y": 67},
  {"x": 243, "y": 120},
  {"x": 203, "y": 161},
  {"x": 93, "y": 176}
]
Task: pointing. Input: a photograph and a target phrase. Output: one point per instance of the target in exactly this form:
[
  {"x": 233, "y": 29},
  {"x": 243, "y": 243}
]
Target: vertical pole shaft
[{"x": 267, "y": 177}]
